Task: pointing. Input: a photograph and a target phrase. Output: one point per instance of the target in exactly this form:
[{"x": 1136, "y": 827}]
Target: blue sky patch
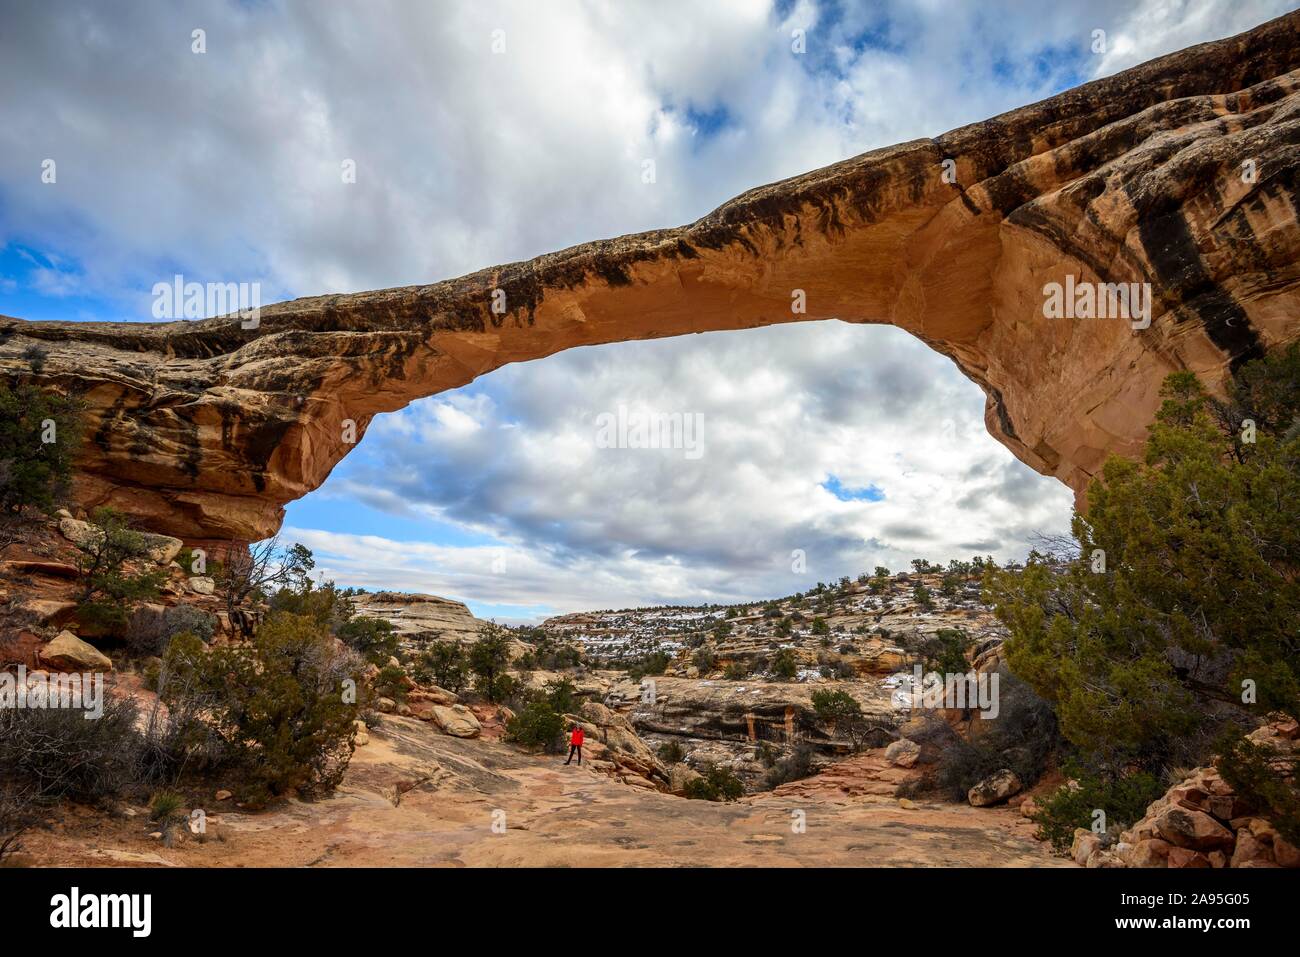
[{"x": 869, "y": 494}]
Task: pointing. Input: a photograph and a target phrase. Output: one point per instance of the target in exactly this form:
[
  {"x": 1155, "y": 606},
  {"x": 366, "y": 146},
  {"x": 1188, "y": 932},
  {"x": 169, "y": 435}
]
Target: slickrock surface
[
  {"x": 206, "y": 429},
  {"x": 413, "y": 798}
]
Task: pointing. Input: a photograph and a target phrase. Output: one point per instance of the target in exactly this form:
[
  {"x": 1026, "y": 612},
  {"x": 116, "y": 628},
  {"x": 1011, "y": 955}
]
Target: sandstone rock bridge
[{"x": 1180, "y": 173}]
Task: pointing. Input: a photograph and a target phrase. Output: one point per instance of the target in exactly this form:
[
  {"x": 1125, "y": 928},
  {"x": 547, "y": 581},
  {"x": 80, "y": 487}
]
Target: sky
[{"x": 488, "y": 132}]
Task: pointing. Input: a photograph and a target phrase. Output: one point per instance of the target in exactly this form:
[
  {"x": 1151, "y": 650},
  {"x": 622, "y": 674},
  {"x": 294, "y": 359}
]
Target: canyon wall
[{"x": 1179, "y": 173}]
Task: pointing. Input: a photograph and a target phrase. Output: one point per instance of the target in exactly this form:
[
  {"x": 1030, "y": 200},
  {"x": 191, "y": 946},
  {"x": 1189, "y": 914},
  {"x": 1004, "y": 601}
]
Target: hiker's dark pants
[{"x": 572, "y": 748}]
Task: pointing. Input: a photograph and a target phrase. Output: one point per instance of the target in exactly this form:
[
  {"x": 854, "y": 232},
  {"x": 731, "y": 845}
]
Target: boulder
[
  {"x": 902, "y": 753},
  {"x": 994, "y": 789},
  {"x": 79, "y": 533},
  {"x": 162, "y": 548},
  {"x": 1186, "y": 857},
  {"x": 201, "y": 585},
  {"x": 69, "y": 653},
  {"x": 1084, "y": 845},
  {"x": 1152, "y": 852},
  {"x": 1252, "y": 851},
  {"x": 1184, "y": 827},
  {"x": 457, "y": 721},
  {"x": 1285, "y": 853},
  {"x": 436, "y": 695}
]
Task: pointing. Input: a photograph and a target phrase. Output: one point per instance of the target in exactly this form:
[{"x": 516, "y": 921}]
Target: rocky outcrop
[
  {"x": 419, "y": 616},
  {"x": 87, "y": 537},
  {"x": 1180, "y": 173},
  {"x": 871, "y": 774},
  {"x": 745, "y": 712},
  {"x": 614, "y": 748},
  {"x": 1203, "y": 822}
]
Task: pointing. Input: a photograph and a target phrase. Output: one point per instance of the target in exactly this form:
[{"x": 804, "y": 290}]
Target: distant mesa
[{"x": 419, "y": 616}]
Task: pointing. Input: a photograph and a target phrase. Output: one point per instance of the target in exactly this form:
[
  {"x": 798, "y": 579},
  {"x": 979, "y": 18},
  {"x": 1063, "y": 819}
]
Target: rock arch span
[{"x": 206, "y": 429}]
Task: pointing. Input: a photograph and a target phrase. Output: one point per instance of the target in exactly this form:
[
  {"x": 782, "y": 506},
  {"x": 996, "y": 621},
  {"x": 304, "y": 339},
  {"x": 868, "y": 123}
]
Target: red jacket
[{"x": 575, "y": 738}]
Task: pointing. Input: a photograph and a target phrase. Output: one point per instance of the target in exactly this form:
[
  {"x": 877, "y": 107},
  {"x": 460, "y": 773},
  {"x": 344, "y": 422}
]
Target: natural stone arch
[{"x": 206, "y": 429}]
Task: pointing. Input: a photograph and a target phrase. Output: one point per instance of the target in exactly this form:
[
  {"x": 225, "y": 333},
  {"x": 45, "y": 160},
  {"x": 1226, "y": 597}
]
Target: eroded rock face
[
  {"x": 419, "y": 616},
  {"x": 1180, "y": 173}
]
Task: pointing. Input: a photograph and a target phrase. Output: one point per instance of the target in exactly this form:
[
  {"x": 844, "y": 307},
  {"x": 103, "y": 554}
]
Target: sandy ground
[{"x": 416, "y": 798}]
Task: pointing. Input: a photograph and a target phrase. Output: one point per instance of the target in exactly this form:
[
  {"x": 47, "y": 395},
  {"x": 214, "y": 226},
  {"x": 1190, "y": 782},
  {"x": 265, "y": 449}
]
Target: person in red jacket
[{"x": 575, "y": 743}]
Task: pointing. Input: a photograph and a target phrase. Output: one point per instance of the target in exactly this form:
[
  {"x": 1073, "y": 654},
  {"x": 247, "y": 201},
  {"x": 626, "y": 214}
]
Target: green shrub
[
  {"x": 945, "y": 651},
  {"x": 111, "y": 590},
  {"x": 562, "y": 695},
  {"x": 1123, "y": 799},
  {"x": 795, "y": 766},
  {"x": 784, "y": 665},
  {"x": 372, "y": 638},
  {"x": 443, "y": 663},
  {"x": 536, "y": 725},
  {"x": 40, "y": 433},
  {"x": 547, "y": 653},
  {"x": 705, "y": 659},
  {"x": 655, "y": 663},
  {"x": 539, "y": 723},
  {"x": 165, "y": 807},
  {"x": 715, "y": 784},
  {"x": 277, "y": 704},
  {"x": 488, "y": 659},
  {"x": 735, "y": 671},
  {"x": 1186, "y": 585},
  {"x": 671, "y": 752},
  {"x": 834, "y": 706},
  {"x": 391, "y": 683},
  {"x": 328, "y": 605}
]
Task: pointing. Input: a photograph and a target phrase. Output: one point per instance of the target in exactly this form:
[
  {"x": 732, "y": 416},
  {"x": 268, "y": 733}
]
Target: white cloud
[
  {"x": 1152, "y": 28},
  {"x": 592, "y": 526}
]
